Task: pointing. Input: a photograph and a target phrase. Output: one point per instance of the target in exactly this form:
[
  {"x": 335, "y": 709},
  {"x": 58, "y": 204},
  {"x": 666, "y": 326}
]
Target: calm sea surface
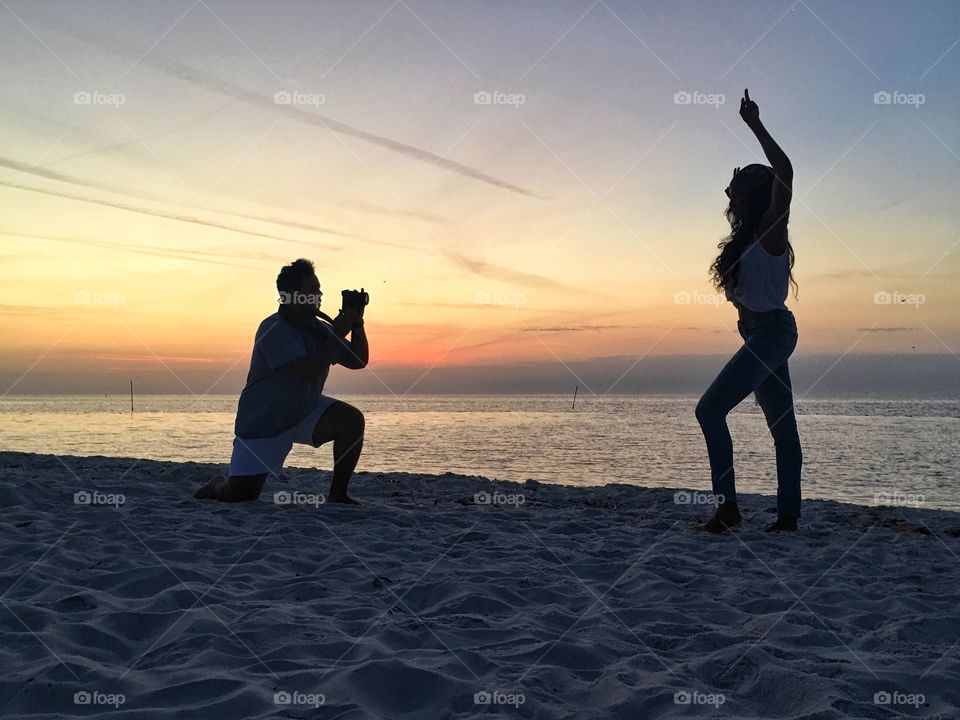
[{"x": 853, "y": 449}]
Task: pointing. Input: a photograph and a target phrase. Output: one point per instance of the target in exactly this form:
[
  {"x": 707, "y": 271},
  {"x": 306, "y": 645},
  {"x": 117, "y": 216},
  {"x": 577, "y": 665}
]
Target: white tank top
[{"x": 763, "y": 282}]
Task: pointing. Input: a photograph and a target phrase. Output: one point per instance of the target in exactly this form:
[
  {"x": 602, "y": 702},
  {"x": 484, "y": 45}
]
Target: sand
[{"x": 430, "y": 602}]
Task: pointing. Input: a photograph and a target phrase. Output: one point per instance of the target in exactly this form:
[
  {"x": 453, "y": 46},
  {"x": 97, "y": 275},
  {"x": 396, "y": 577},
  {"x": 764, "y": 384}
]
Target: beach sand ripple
[{"x": 459, "y": 597}]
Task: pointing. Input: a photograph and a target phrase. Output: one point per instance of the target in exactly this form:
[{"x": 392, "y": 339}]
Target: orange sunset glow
[{"x": 502, "y": 203}]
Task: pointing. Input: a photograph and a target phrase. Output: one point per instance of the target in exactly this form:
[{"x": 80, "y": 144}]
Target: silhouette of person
[
  {"x": 283, "y": 401},
  {"x": 754, "y": 269}
]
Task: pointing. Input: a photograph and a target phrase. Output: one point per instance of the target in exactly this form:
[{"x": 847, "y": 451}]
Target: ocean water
[{"x": 863, "y": 451}]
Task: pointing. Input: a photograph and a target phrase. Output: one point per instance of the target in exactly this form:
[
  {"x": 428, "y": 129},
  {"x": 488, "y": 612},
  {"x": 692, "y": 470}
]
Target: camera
[{"x": 355, "y": 299}]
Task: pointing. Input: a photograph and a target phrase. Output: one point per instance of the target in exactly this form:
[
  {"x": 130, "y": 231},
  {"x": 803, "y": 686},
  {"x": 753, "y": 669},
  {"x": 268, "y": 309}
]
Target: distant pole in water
[
  {"x": 576, "y": 387},
  {"x": 131, "y": 396}
]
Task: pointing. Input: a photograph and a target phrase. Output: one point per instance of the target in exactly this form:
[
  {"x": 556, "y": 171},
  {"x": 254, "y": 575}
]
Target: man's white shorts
[{"x": 266, "y": 455}]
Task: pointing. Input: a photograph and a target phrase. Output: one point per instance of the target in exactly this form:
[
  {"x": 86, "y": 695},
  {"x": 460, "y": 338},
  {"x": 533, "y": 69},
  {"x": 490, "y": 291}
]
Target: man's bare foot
[
  {"x": 209, "y": 491},
  {"x": 785, "y": 523},
  {"x": 726, "y": 516},
  {"x": 344, "y": 499}
]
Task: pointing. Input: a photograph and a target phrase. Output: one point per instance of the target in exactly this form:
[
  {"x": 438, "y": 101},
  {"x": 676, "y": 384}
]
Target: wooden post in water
[
  {"x": 131, "y": 396},
  {"x": 577, "y": 387}
]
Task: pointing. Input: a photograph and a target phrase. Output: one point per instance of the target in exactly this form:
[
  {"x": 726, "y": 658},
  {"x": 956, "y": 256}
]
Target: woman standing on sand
[{"x": 754, "y": 269}]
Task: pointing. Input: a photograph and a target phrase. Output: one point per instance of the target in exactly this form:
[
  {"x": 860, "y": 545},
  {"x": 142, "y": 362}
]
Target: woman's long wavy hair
[{"x": 752, "y": 185}]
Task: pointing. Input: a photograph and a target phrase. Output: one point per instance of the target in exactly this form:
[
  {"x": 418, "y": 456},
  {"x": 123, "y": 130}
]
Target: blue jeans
[{"x": 760, "y": 367}]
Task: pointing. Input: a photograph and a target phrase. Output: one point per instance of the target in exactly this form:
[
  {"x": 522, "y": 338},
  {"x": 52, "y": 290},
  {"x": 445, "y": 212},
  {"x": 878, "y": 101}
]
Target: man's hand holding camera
[
  {"x": 350, "y": 321},
  {"x": 354, "y": 302}
]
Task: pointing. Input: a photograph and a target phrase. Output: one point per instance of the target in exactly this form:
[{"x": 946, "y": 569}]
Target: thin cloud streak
[
  {"x": 215, "y": 84},
  {"x": 126, "y": 144},
  {"x": 372, "y": 209},
  {"x": 127, "y": 147},
  {"x": 56, "y": 176},
  {"x": 171, "y": 253},
  {"x": 586, "y": 328},
  {"x": 29, "y": 310},
  {"x": 502, "y": 274},
  {"x": 163, "y": 214}
]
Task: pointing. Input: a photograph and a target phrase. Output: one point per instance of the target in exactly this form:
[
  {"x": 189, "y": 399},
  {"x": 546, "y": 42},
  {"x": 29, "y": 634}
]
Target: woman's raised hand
[{"x": 749, "y": 110}]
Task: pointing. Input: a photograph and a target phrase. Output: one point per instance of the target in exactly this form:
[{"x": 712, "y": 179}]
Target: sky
[{"x": 527, "y": 190}]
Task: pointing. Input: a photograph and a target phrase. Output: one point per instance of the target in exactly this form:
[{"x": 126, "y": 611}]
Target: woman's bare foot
[
  {"x": 344, "y": 498},
  {"x": 209, "y": 491},
  {"x": 725, "y": 517},
  {"x": 785, "y": 523}
]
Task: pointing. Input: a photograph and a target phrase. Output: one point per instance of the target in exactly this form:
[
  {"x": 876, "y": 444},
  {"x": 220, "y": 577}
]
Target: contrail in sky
[
  {"x": 48, "y": 174},
  {"x": 215, "y": 84},
  {"x": 180, "y": 217},
  {"x": 173, "y": 253}
]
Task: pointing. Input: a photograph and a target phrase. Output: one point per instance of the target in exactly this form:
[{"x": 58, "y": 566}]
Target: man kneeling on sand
[{"x": 283, "y": 401}]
